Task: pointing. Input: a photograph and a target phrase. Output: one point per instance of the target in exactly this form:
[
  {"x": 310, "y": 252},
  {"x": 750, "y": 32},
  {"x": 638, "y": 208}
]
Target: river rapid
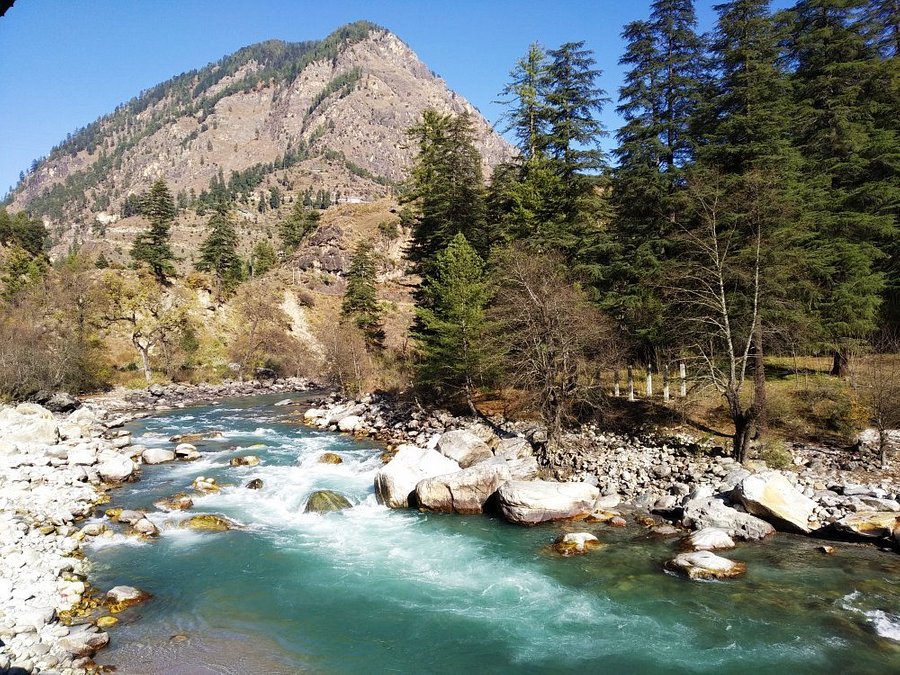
[{"x": 370, "y": 589}]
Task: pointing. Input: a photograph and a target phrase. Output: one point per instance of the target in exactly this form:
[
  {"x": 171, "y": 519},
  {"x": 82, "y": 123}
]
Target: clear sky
[{"x": 63, "y": 63}]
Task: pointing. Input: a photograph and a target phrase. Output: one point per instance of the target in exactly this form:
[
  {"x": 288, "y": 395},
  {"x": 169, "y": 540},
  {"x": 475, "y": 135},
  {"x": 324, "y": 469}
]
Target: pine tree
[
  {"x": 445, "y": 187},
  {"x": 262, "y": 258},
  {"x": 360, "y": 299},
  {"x": 851, "y": 164},
  {"x": 658, "y": 102},
  {"x": 152, "y": 247},
  {"x": 524, "y": 100},
  {"x": 218, "y": 253},
  {"x": 300, "y": 223},
  {"x": 452, "y": 324}
]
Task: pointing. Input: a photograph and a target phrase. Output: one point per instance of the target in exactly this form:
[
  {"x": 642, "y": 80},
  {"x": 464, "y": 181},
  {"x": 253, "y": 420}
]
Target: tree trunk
[
  {"x": 741, "y": 442},
  {"x": 145, "y": 358},
  {"x": 759, "y": 382},
  {"x": 840, "y": 366}
]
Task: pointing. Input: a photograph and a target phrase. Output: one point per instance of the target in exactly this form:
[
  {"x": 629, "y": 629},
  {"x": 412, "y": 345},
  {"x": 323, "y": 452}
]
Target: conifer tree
[
  {"x": 298, "y": 225},
  {"x": 851, "y": 164},
  {"x": 152, "y": 247},
  {"x": 360, "y": 299},
  {"x": 450, "y": 333},
  {"x": 218, "y": 252},
  {"x": 262, "y": 258},
  {"x": 445, "y": 187}
]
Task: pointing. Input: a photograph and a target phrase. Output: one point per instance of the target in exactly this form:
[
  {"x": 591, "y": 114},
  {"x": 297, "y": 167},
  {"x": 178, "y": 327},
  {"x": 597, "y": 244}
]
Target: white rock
[
  {"x": 770, "y": 496},
  {"x": 157, "y": 455},
  {"x": 537, "y": 501},
  {"x": 397, "y": 479},
  {"x": 115, "y": 468},
  {"x": 709, "y": 539},
  {"x": 350, "y": 423},
  {"x": 28, "y": 423},
  {"x": 702, "y": 565},
  {"x": 464, "y": 491},
  {"x": 463, "y": 447}
]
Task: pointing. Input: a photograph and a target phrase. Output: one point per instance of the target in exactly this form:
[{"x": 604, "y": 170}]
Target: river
[{"x": 373, "y": 590}]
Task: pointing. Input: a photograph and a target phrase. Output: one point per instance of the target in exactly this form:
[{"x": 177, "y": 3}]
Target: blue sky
[{"x": 64, "y": 63}]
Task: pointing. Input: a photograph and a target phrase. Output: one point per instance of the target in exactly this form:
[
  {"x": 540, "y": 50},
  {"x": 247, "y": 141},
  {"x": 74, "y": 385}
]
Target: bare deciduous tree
[{"x": 877, "y": 381}]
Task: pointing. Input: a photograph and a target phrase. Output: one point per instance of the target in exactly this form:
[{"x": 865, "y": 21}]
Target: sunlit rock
[
  {"x": 396, "y": 481},
  {"x": 322, "y": 501},
  {"x": 704, "y": 565},
  {"x": 576, "y": 543},
  {"x": 538, "y": 501},
  {"x": 770, "y": 496}
]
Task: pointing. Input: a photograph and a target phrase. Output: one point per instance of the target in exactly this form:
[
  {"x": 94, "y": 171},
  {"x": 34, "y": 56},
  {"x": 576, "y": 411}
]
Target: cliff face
[{"x": 330, "y": 115}]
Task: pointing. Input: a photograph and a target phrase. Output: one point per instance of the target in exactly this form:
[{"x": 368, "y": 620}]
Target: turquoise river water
[{"x": 373, "y": 590}]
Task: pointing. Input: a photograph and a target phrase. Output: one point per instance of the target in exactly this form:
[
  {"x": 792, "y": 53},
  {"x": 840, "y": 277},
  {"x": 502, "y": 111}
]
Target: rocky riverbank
[
  {"x": 56, "y": 467},
  {"x": 678, "y": 478}
]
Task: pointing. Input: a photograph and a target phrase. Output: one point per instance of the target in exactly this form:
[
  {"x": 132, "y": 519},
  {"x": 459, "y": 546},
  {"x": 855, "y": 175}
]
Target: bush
[{"x": 776, "y": 454}]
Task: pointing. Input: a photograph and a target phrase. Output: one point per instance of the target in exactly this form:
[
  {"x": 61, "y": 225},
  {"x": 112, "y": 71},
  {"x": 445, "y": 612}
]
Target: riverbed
[{"x": 371, "y": 589}]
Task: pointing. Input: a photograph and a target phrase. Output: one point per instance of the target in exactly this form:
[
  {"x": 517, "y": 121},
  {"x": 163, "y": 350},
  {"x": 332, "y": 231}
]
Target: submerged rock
[
  {"x": 396, "y": 481},
  {"x": 246, "y": 460},
  {"x": 576, "y": 543},
  {"x": 770, "y": 496},
  {"x": 330, "y": 458},
  {"x": 463, "y": 447},
  {"x": 178, "y": 502},
  {"x": 703, "y": 565},
  {"x": 323, "y": 501},
  {"x": 538, "y": 501},
  {"x": 208, "y": 522}
]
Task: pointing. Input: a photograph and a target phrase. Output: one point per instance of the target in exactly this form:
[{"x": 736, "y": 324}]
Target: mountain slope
[{"x": 327, "y": 115}]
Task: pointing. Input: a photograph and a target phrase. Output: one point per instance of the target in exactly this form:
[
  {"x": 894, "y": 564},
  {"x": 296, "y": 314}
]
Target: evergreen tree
[
  {"x": 658, "y": 101},
  {"x": 262, "y": 258},
  {"x": 852, "y": 165},
  {"x": 360, "y": 299},
  {"x": 524, "y": 99},
  {"x": 218, "y": 253},
  {"x": 296, "y": 226},
  {"x": 451, "y": 329},
  {"x": 445, "y": 187},
  {"x": 152, "y": 247}
]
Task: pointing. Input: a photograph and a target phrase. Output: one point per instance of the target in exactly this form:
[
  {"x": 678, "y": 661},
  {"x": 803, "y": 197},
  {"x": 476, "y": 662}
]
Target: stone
[
  {"x": 708, "y": 539},
  {"x": 396, "y": 481},
  {"x": 246, "y": 460},
  {"x": 178, "y": 502},
  {"x": 350, "y": 423},
  {"x": 122, "y": 597},
  {"x": 58, "y": 401},
  {"x": 28, "y": 423},
  {"x": 330, "y": 458},
  {"x": 186, "y": 452},
  {"x": 255, "y": 484},
  {"x": 84, "y": 640},
  {"x": 106, "y": 621},
  {"x": 869, "y": 524},
  {"x": 513, "y": 448},
  {"x": 314, "y": 414},
  {"x": 115, "y": 468},
  {"x": 145, "y": 528},
  {"x": 464, "y": 491},
  {"x": 204, "y": 484},
  {"x": 208, "y": 522},
  {"x": 128, "y": 516},
  {"x": 576, "y": 543},
  {"x": 770, "y": 496},
  {"x": 538, "y": 501},
  {"x": 712, "y": 512},
  {"x": 323, "y": 501},
  {"x": 704, "y": 565},
  {"x": 157, "y": 455},
  {"x": 463, "y": 447}
]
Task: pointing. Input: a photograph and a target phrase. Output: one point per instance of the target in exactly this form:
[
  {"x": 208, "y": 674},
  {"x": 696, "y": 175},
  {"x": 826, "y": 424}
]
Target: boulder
[
  {"x": 81, "y": 455},
  {"x": 84, "y": 640},
  {"x": 708, "y": 539},
  {"x": 704, "y": 565},
  {"x": 145, "y": 528},
  {"x": 208, "y": 522},
  {"x": 350, "y": 423},
  {"x": 513, "y": 448},
  {"x": 770, "y": 496},
  {"x": 115, "y": 468},
  {"x": 576, "y": 543},
  {"x": 869, "y": 524},
  {"x": 463, "y": 447},
  {"x": 330, "y": 458},
  {"x": 120, "y": 597},
  {"x": 246, "y": 460},
  {"x": 396, "y": 481},
  {"x": 179, "y": 502},
  {"x": 314, "y": 414},
  {"x": 204, "y": 484},
  {"x": 157, "y": 455},
  {"x": 186, "y": 452},
  {"x": 195, "y": 436},
  {"x": 712, "y": 512},
  {"x": 322, "y": 501},
  {"x": 57, "y": 401},
  {"x": 254, "y": 484},
  {"x": 464, "y": 491},
  {"x": 127, "y": 516},
  {"x": 538, "y": 501},
  {"x": 28, "y": 423},
  {"x": 266, "y": 376}
]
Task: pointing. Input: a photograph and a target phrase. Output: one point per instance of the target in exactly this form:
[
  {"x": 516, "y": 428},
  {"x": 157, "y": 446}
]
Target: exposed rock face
[
  {"x": 870, "y": 525},
  {"x": 356, "y": 103},
  {"x": 397, "y": 480},
  {"x": 29, "y": 423},
  {"x": 464, "y": 491},
  {"x": 538, "y": 501},
  {"x": 711, "y": 512},
  {"x": 322, "y": 501},
  {"x": 463, "y": 447},
  {"x": 770, "y": 496},
  {"x": 703, "y": 565}
]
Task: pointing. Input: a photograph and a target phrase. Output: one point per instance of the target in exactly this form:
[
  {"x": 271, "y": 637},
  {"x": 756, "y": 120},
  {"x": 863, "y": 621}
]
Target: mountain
[{"x": 275, "y": 118}]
